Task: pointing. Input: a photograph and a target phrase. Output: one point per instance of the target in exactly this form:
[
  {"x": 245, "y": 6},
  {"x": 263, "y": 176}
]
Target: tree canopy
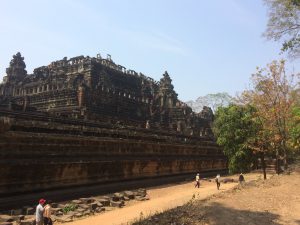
[
  {"x": 233, "y": 126},
  {"x": 284, "y": 24}
]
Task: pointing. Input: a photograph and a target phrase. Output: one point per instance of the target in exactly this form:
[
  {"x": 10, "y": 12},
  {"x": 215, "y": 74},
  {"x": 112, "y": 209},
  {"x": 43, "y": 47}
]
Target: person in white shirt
[
  {"x": 39, "y": 212},
  {"x": 218, "y": 181},
  {"x": 197, "y": 180}
]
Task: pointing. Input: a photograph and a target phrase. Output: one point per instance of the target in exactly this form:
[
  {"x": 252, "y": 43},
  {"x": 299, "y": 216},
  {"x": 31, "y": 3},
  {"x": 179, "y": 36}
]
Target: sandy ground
[
  {"x": 272, "y": 202},
  {"x": 162, "y": 198}
]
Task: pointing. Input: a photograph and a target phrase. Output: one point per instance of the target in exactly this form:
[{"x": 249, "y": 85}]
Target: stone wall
[{"x": 41, "y": 155}]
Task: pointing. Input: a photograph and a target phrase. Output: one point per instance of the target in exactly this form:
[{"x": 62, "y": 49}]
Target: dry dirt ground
[
  {"x": 271, "y": 202},
  {"x": 274, "y": 201}
]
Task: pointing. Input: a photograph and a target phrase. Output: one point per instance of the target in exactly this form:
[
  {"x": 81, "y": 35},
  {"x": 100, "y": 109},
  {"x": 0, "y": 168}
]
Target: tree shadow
[
  {"x": 213, "y": 213},
  {"x": 218, "y": 214}
]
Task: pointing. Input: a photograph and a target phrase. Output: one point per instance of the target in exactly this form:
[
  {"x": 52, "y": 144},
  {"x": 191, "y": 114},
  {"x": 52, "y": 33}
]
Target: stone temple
[{"x": 87, "y": 120}]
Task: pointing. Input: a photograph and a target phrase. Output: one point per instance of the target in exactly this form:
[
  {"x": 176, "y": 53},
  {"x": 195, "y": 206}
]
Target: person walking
[
  {"x": 218, "y": 181},
  {"x": 197, "y": 180},
  {"x": 39, "y": 212},
  {"x": 241, "y": 178},
  {"x": 47, "y": 214}
]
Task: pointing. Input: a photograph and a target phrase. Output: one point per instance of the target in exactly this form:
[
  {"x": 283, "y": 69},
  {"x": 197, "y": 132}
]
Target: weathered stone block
[
  {"x": 141, "y": 198},
  {"x": 86, "y": 200},
  {"x": 6, "y": 218},
  {"x": 64, "y": 219},
  {"x": 26, "y": 222},
  {"x": 129, "y": 194},
  {"x": 80, "y": 210},
  {"x": 84, "y": 206},
  {"x": 93, "y": 206},
  {"x": 54, "y": 205},
  {"x": 104, "y": 201},
  {"x": 141, "y": 192},
  {"x": 56, "y": 210},
  {"x": 100, "y": 209},
  {"x": 28, "y": 210},
  {"x": 118, "y": 196},
  {"x": 117, "y": 203},
  {"x": 77, "y": 202},
  {"x": 15, "y": 212},
  {"x": 6, "y": 223}
]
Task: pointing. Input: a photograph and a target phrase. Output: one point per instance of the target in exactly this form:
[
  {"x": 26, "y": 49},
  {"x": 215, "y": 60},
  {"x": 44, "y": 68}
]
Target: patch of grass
[{"x": 68, "y": 208}]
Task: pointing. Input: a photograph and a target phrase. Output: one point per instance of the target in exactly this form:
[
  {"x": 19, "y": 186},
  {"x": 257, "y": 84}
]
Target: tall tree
[
  {"x": 233, "y": 126},
  {"x": 271, "y": 96},
  {"x": 284, "y": 24},
  {"x": 211, "y": 100}
]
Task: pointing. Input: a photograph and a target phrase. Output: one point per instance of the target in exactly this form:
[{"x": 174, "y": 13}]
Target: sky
[{"x": 206, "y": 46}]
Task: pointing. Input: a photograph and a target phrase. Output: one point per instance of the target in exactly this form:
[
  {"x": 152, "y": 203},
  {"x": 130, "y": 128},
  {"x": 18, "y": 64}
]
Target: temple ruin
[{"x": 88, "y": 120}]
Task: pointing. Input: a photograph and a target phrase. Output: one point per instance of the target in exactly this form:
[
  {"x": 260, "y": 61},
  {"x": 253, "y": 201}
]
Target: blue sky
[{"x": 206, "y": 46}]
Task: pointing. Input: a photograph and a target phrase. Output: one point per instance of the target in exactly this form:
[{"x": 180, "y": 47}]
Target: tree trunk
[
  {"x": 277, "y": 165},
  {"x": 277, "y": 161},
  {"x": 263, "y": 164},
  {"x": 284, "y": 155}
]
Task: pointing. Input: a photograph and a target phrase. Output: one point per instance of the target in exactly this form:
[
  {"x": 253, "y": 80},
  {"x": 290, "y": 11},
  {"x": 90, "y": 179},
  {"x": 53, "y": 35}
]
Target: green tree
[
  {"x": 272, "y": 97},
  {"x": 211, "y": 100},
  {"x": 284, "y": 24},
  {"x": 295, "y": 129},
  {"x": 233, "y": 127}
]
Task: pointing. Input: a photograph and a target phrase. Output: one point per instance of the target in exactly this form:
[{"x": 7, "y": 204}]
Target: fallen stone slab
[
  {"x": 93, "y": 206},
  {"x": 16, "y": 212},
  {"x": 99, "y": 204},
  {"x": 87, "y": 213},
  {"x": 129, "y": 194},
  {"x": 77, "y": 202},
  {"x": 140, "y": 198},
  {"x": 86, "y": 200},
  {"x": 54, "y": 205},
  {"x": 60, "y": 206},
  {"x": 6, "y": 223},
  {"x": 104, "y": 201},
  {"x": 100, "y": 209},
  {"x": 64, "y": 219},
  {"x": 26, "y": 222},
  {"x": 79, "y": 210},
  {"x": 117, "y": 203},
  {"x": 6, "y": 218},
  {"x": 108, "y": 208},
  {"x": 78, "y": 215},
  {"x": 141, "y": 192},
  {"x": 56, "y": 210},
  {"x": 84, "y": 206},
  {"x": 28, "y": 210},
  {"x": 118, "y": 196}
]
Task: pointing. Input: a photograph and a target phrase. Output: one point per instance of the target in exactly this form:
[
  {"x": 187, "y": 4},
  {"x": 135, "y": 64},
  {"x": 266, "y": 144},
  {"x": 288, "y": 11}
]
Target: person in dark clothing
[{"x": 241, "y": 178}]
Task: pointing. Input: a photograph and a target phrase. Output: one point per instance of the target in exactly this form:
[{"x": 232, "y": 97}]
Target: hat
[{"x": 42, "y": 201}]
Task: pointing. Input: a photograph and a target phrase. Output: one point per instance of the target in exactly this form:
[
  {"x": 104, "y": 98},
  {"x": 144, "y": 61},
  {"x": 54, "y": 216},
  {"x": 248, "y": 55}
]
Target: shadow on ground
[{"x": 200, "y": 213}]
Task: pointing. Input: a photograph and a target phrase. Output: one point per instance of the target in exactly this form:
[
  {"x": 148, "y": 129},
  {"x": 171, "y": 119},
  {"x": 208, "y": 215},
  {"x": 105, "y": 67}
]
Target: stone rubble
[{"x": 74, "y": 209}]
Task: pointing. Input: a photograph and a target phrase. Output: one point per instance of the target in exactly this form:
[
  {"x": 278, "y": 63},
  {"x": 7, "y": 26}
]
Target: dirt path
[
  {"x": 272, "y": 202},
  {"x": 161, "y": 198}
]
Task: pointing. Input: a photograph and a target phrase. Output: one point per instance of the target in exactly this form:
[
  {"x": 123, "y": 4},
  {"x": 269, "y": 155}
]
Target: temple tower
[
  {"x": 16, "y": 70},
  {"x": 166, "y": 93}
]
